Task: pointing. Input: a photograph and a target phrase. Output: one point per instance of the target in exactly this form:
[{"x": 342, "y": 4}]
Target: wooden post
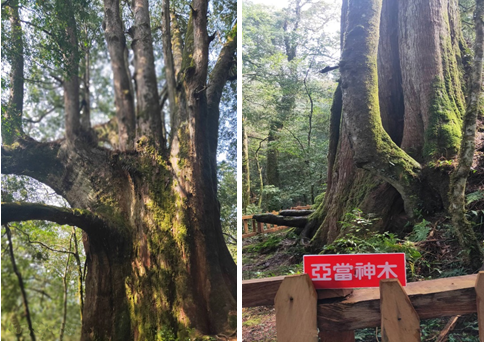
[
  {"x": 245, "y": 223},
  {"x": 479, "y": 291},
  {"x": 260, "y": 227},
  {"x": 296, "y": 310},
  {"x": 255, "y": 225},
  {"x": 399, "y": 320}
]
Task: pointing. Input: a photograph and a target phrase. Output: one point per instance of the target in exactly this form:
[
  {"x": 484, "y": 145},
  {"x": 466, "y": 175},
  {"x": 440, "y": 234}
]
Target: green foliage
[
  {"x": 358, "y": 222},
  {"x": 475, "y": 196},
  {"x": 420, "y": 231},
  {"x": 284, "y": 96},
  {"x": 42, "y": 271},
  {"x": 267, "y": 245},
  {"x": 227, "y": 196},
  {"x": 375, "y": 243}
]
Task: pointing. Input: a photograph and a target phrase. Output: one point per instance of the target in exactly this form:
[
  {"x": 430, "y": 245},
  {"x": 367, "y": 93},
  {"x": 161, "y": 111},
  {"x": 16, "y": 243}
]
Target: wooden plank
[
  {"x": 479, "y": 301},
  {"x": 399, "y": 320},
  {"x": 246, "y": 225},
  {"x": 261, "y": 292},
  {"x": 296, "y": 310},
  {"x": 336, "y": 336},
  {"x": 247, "y": 217},
  {"x": 431, "y": 299}
]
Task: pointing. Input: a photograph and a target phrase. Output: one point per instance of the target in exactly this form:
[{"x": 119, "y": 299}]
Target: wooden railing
[
  {"x": 250, "y": 224},
  {"x": 338, "y": 312}
]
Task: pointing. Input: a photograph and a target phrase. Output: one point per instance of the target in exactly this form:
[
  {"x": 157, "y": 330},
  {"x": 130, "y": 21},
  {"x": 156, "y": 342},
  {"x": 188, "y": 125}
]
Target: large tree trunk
[
  {"x": 389, "y": 125},
  {"x": 157, "y": 263}
]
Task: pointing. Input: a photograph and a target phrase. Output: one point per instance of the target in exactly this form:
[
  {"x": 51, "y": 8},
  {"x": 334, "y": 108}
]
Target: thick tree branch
[
  {"x": 280, "y": 220},
  {"x": 220, "y": 73},
  {"x": 22, "y": 211},
  {"x": 31, "y": 158}
]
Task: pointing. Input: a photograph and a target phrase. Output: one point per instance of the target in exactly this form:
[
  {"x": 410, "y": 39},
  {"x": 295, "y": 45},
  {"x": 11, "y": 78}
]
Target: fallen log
[
  {"x": 296, "y": 213},
  {"x": 280, "y": 220}
]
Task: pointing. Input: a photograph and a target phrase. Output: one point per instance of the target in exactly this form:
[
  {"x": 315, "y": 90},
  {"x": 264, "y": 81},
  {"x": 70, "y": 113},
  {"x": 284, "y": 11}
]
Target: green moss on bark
[
  {"x": 443, "y": 135},
  {"x": 158, "y": 285}
]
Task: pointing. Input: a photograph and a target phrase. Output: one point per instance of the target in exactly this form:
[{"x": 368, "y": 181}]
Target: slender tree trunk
[
  {"x": 80, "y": 273},
  {"x": 21, "y": 283},
  {"x": 64, "y": 300},
  {"x": 245, "y": 169}
]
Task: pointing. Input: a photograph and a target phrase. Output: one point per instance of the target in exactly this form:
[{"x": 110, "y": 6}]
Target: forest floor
[{"x": 280, "y": 253}]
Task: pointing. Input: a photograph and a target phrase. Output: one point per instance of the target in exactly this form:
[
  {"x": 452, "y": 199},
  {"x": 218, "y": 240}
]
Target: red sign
[{"x": 354, "y": 270}]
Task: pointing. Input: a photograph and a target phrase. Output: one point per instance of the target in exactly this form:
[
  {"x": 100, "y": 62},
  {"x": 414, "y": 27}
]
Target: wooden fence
[
  {"x": 300, "y": 309},
  {"x": 250, "y": 224}
]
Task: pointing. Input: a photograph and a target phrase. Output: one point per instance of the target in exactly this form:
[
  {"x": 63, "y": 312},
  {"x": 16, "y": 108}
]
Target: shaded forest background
[{"x": 286, "y": 102}]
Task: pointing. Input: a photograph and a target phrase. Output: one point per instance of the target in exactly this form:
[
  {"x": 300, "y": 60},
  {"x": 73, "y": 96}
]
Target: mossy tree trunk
[
  {"x": 401, "y": 110},
  {"x": 157, "y": 264}
]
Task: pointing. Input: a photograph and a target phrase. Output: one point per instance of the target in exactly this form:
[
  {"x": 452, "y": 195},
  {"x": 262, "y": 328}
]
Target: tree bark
[
  {"x": 390, "y": 137},
  {"x": 149, "y": 122},
  {"x": 296, "y": 212},
  {"x": 123, "y": 88},
  {"x": 12, "y": 117},
  {"x": 458, "y": 179}
]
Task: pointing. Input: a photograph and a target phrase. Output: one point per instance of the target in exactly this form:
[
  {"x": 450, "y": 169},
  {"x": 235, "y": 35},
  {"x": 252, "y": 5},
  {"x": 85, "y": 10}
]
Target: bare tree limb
[
  {"x": 42, "y": 116},
  {"x": 34, "y": 159}
]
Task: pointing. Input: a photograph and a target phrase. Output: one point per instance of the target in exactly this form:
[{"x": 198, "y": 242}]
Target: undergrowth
[{"x": 431, "y": 252}]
